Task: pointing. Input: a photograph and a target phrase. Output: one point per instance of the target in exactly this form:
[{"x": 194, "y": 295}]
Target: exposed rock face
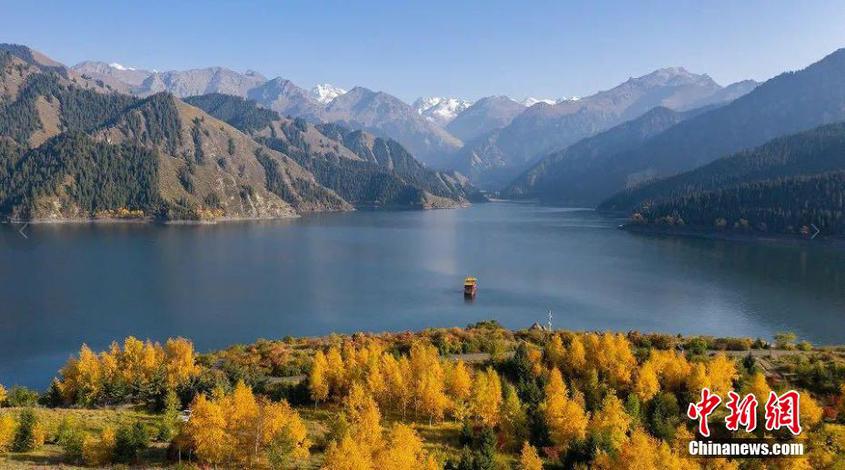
[
  {"x": 80, "y": 151},
  {"x": 364, "y": 169},
  {"x": 287, "y": 99},
  {"x": 122, "y": 79},
  {"x": 387, "y": 116},
  {"x": 180, "y": 83},
  {"x": 200, "y": 81}
]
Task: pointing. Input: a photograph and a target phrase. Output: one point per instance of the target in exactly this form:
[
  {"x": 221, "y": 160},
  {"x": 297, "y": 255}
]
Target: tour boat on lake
[{"x": 470, "y": 286}]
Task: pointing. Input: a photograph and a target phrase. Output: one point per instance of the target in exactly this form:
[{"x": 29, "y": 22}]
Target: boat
[{"x": 470, "y": 286}]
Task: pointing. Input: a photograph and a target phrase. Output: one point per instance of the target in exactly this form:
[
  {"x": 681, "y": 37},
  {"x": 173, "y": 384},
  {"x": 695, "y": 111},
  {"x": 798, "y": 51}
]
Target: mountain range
[
  {"x": 364, "y": 169},
  {"x": 361, "y": 108},
  {"x": 217, "y": 143},
  {"x": 73, "y": 147},
  {"x": 491, "y": 140},
  {"x": 485, "y": 115},
  {"x": 788, "y": 185},
  {"x": 573, "y": 176},
  {"x": 788, "y": 103},
  {"x": 769, "y": 160},
  {"x": 494, "y": 158}
]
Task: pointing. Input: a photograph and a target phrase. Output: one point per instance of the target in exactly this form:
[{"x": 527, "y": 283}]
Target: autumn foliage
[
  {"x": 242, "y": 430},
  {"x": 412, "y": 401},
  {"x": 121, "y": 374}
]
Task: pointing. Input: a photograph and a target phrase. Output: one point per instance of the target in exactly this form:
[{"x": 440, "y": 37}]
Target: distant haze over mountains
[
  {"x": 531, "y": 101},
  {"x": 494, "y": 158},
  {"x": 484, "y": 116},
  {"x": 673, "y": 148},
  {"x": 491, "y": 139},
  {"x": 642, "y": 161}
]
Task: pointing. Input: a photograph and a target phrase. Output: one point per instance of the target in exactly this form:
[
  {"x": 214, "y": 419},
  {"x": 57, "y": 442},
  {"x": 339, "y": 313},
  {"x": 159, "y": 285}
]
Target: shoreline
[
  {"x": 152, "y": 220},
  {"x": 143, "y": 220},
  {"x": 727, "y": 235}
]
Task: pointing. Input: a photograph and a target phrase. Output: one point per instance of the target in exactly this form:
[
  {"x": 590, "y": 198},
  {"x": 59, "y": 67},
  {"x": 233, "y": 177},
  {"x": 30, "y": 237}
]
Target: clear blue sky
[{"x": 448, "y": 48}]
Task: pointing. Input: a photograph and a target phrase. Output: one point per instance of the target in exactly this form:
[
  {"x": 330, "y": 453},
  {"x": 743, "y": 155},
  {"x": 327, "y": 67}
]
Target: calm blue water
[{"x": 378, "y": 271}]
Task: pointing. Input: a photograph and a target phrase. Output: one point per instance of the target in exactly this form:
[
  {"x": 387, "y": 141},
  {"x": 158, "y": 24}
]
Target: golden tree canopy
[
  {"x": 486, "y": 397},
  {"x": 528, "y": 458}
]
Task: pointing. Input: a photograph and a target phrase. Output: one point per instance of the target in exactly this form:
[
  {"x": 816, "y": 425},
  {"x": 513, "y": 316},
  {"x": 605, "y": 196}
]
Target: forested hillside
[
  {"x": 364, "y": 169},
  {"x": 238, "y": 112},
  {"x": 74, "y": 176},
  {"x": 48, "y": 97},
  {"x": 815, "y": 151},
  {"x": 74, "y": 151},
  {"x": 782, "y": 186},
  {"x": 791, "y": 102},
  {"x": 794, "y": 205}
]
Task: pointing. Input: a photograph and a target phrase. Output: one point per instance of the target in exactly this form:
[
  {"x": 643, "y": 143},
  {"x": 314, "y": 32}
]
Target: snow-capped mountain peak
[
  {"x": 531, "y": 101},
  {"x": 439, "y": 110},
  {"x": 120, "y": 67},
  {"x": 325, "y": 92}
]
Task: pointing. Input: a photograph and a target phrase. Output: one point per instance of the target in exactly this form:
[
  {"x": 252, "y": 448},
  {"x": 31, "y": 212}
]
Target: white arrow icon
[{"x": 816, "y": 229}]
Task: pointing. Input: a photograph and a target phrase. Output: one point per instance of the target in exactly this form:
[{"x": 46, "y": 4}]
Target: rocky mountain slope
[
  {"x": 808, "y": 153},
  {"x": 573, "y": 176},
  {"x": 485, "y": 115},
  {"x": 73, "y": 151},
  {"x": 365, "y": 169},
  {"x": 284, "y": 97},
  {"x": 495, "y": 157},
  {"x": 181, "y": 83},
  {"x": 376, "y": 112},
  {"x": 387, "y": 116},
  {"x": 789, "y": 103}
]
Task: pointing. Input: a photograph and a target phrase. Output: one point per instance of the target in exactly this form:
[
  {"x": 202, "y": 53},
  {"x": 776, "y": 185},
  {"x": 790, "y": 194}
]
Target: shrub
[
  {"x": 733, "y": 344},
  {"x": 29, "y": 434},
  {"x": 129, "y": 441},
  {"x": 696, "y": 346},
  {"x": 785, "y": 340},
  {"x": 99, "y": 452},
  {"x": 664, "y": 416},
  {"x": 71, "y": 438},
  {"x": 22, "y": 397}
]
